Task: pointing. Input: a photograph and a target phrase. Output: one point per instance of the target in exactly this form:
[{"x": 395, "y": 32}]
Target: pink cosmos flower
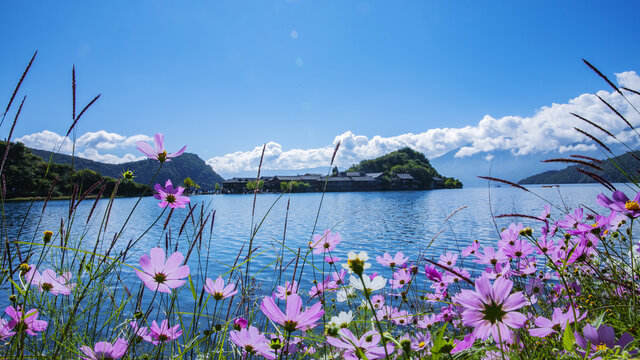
[
  {"x": 159, "y": 153},
  {"x": 455, "y": 275},
  {"x": 428, "y": 320},
  {"x": 621, "y": 203},
  {"x": 546, "y": 213},
  {"x": 367, "y": 344},
  {"x": 240, "y": 323},
  {"x": 252, "y": 342},
  {"x": 332, "y": 259},
  {"x": 400, "y": 279},
  {"x": 318, "y": 289},
  {"x": 545, "y": 245},
  {"x": 218, "y": 290},
  {"x": 164, "y": 333},
  {"x": 325, "y": 242},
  {"x": 491, "y": 257},
  {"x": 571, "y": 220},
  {"x": 421, "y": 342},
  {"x": 491, "y": 310},
  {"x": 170, "y": 196},
  {"x": 288, "y": 289},
  {"x": 49, "y": 281},
  {"x": 143, "y": 333},
  {"x": 558, "y": 323},
  {"x": 5, "y": 331},
  {"x": 160, "y": 276},
  {"x": 401, "y": 317},
  {"x": 498, "y": 271},
  {"x": 336, "y": 280},
  {"x": 104, "y": 350},
  {"x": 520, "y": 249},
  {"x": 449, "y": 259},
  {"x": 294, "y": 318},
  {"x": 432, "y": 273},
  {"x": 510, "y": 236},
  {"x": 377, "y": 301},
  {"x": 387, "y": 260},
  {"x": 460, "y": 345},
  {"x": 602, "y": 338},
  {"x": 28, "y": 322},
  {"x": 471, "y": 249}
]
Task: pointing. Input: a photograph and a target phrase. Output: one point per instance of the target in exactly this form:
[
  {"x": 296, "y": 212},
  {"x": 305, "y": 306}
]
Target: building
[{"x": 345, "y": 181}]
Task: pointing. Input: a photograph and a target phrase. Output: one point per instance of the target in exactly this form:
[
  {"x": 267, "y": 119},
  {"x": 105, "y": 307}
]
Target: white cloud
[
  {"x": 47, "y": 140},
  {"x": 551, "y": 128},
  {"x": 93, "y": 154},
  {"x": 87, "y": 145}
]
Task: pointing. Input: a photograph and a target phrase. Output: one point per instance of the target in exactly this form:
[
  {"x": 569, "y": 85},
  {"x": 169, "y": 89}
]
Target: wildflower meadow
[{"x": 555, "y": 284}]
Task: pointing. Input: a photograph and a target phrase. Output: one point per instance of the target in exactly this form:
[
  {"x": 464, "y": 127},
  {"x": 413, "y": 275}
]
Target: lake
[{"x": 376, "y": 222}]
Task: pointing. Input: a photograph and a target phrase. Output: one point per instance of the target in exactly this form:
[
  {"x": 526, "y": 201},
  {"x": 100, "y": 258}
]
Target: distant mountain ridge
[
  {"x": 611, "y": 171},
  {"x": 179, "y": 168}
]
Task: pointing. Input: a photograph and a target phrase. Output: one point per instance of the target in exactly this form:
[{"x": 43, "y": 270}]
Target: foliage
[
  {"x": 405, "y": 161},
  {"x": 27, "y": 175},
  {"x": 253, "y": 185},
  {"x": 186, "y": 165},
  {"x": 295, "y": 186}
]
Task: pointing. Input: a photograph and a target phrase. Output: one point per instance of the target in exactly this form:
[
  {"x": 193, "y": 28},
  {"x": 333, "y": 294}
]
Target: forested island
[{"x": 404, "y": 169}]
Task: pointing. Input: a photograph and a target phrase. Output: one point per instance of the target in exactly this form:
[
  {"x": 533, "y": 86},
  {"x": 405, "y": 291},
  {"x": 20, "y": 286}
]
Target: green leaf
[
  {"x": 438, "y": 343},
  {"x": 568, "y": 339},
  {"x": 193, "y": 289}
]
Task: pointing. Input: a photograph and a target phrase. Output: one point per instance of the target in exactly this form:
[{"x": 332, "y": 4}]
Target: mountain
[
  {"x": 179, "y": 168},
  {"x": 405, "y": 161},
  {"x": 27, "y": 175},
  {"x": 623, "y": 168},
  {"x": 503, "y": 164}
]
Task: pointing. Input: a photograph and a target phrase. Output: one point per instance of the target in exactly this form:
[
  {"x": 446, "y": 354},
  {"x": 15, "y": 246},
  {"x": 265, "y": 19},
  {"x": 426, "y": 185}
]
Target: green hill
[
  {"x": 611, "y": 171},
  {"x": 25, "y": 172},
  {"x": 179, "y": 168},
  {"x": 405, "y": 161}
]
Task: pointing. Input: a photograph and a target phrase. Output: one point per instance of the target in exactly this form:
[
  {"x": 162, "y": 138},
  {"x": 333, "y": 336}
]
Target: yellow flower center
[
  {"x": 162, "y": 157},
  {"x": 603, "y": 346},
  {"x": 632, "y": 206},
  {"x": 422, "y": 344}
]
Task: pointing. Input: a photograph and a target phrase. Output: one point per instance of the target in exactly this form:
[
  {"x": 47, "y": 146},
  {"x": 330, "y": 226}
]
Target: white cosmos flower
[
  {"x": 343, "y": 294},
  {"x": 377, "y": 283},
  {"x": 342, "y": 320},
  {"x": 357, "y": 262}
]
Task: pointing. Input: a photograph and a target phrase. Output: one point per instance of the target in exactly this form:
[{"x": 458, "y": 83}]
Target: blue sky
[{"x": 224, "y": 77}]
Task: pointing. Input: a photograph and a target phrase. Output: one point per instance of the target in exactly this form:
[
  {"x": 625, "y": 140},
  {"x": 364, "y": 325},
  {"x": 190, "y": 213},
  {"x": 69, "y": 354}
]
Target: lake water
[{"x": 371, "y": 221}]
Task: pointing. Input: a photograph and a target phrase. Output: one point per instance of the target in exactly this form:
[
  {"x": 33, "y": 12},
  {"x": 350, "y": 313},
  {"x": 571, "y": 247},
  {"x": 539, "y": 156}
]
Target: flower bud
[
  {"x": 24, "y": 268},
  {"x": 406, "y": 345},
  {"x": 46, "y": 237},
  {"x": 275, "y": 344},
  {"x": 240, "y": 323}
]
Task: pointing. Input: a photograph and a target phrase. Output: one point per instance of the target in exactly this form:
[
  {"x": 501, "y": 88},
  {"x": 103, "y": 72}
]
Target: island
[{"x": 404, "y": 169}]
